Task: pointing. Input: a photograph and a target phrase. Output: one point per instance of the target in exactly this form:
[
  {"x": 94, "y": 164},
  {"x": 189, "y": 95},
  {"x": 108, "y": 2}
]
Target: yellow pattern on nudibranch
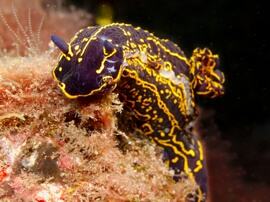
[
  {"x": 175, "y": 159},
  {"x": 77, "y": 47},
  {"x": 199, "y": 166},
  {"x": 157, "y": 41},
  {"x": 80, "y": 60},
  {"x": 102, "y": 66}
]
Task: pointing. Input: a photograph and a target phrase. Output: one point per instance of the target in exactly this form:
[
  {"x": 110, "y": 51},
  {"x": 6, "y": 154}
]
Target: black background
[{"x": 236, "y": 30}]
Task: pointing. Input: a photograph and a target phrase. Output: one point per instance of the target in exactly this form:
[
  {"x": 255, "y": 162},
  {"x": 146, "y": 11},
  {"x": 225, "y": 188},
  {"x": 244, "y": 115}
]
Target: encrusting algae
[{"x": 56, "y": 149}]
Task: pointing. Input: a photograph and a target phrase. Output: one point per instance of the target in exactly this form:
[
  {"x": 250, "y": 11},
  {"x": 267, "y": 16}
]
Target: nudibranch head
[
  {"x": 85, "y": 69},
  {"x": 208, "y": 80}
]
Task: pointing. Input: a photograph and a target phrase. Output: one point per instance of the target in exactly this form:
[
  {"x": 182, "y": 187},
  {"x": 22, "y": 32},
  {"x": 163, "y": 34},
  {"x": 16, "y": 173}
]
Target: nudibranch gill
[{"x": 154, "y": 79}]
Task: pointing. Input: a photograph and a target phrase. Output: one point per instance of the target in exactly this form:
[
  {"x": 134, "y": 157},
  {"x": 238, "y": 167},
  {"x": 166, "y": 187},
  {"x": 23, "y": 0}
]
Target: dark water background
[{"x": 237, "y": 31}]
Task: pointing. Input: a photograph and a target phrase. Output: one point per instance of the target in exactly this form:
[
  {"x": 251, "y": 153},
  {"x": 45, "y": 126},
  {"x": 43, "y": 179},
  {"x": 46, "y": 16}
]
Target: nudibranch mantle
[{"x": 155, "y": 80}]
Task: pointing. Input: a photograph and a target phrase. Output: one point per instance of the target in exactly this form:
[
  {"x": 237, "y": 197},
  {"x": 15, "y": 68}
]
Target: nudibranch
[{"x": 155, "y": 81}]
